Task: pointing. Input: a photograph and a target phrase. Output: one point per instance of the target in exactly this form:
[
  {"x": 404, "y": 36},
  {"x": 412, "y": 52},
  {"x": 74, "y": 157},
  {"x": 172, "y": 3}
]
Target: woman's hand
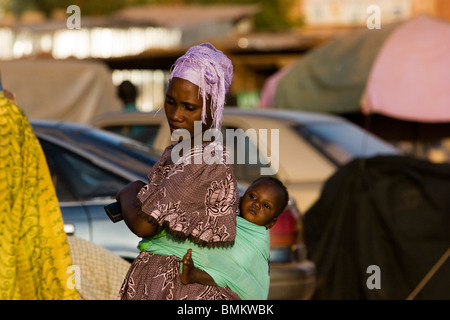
[
  {"x": 131, "y": 189},
  {"x": 131, "y": 208}
]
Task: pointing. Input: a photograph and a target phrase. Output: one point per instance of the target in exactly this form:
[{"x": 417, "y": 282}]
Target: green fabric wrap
[{"x": 244, "y": 268}]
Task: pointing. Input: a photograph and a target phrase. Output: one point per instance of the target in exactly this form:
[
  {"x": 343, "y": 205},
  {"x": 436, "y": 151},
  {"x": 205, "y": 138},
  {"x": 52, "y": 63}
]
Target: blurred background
[
  {"x": 383, "y": 65},
  {"x": 138, "y": 40}
]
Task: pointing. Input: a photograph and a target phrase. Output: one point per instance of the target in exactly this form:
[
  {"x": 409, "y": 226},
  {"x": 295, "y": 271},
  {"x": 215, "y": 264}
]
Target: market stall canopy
[
  {"x": 60, "y": 90},
  {"x": 410, "y": 78},
  {"x": 332, "y": 77},
  {"x": 401, "y": 70}
]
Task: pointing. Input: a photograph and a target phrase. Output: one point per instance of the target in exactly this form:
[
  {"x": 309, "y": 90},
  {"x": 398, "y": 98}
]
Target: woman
[{"x": 191, "y": 200}]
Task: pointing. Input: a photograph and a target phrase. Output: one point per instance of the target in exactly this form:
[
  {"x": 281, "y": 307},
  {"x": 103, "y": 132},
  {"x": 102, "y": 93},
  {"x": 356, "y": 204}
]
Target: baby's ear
[{"x": 271, "y": 223}]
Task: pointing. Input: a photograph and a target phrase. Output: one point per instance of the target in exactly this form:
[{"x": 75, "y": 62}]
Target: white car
[{"x": 302, "y": 149}]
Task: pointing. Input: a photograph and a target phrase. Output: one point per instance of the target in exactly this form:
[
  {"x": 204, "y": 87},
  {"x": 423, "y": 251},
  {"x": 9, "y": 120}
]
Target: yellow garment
[{"x": 34, "y": 253}]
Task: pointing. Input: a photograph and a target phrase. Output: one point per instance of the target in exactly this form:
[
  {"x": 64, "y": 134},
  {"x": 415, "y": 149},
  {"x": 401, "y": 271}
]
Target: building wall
[
  {"x": 338, "y": 13},
  {"x": 437, "y": 8}
]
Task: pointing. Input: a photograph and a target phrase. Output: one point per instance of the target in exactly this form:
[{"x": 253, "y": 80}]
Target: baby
[{"x": 261, "y": 205}]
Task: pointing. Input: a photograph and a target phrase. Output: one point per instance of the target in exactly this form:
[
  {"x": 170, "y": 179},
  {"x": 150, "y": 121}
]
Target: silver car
[{"x": 89, "y": 166}]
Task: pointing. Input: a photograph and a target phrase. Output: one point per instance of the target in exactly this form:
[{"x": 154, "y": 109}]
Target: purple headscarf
[{"x": 211, "y": 71}]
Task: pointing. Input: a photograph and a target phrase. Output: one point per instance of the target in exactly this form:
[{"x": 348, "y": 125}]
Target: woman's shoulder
[{"x": 207, "y": 155}]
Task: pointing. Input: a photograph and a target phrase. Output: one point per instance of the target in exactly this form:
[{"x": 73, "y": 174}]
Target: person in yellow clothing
[{"x": 34, "y": 252}]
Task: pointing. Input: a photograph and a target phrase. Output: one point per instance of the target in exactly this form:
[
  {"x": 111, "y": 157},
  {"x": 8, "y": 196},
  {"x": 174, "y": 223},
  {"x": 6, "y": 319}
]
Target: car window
[
  {"x": 250, "y": 170},
  {"x": 143, "y": 133},
  {"x": 76, "y": 178},
  {"x": 341, "y": 142}
]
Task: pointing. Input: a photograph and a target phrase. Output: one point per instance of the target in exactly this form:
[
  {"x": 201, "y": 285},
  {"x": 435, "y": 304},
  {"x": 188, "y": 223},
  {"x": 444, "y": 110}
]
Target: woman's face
[{"x": 183, "y": 105}]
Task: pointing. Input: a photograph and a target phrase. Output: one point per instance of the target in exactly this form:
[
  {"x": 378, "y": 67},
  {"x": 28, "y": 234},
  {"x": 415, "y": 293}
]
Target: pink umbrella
[
  {"x": 395, "y": 82},
  {"x": 410, "y": 77},
  {"x": 267, "y": 99}
]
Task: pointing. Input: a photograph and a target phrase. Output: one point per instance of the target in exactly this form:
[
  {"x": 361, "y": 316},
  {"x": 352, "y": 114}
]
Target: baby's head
[{"x": 263, "y": 201}]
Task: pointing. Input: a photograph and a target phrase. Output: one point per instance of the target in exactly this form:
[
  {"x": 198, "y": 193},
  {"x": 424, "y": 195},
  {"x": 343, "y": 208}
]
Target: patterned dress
[{"x": 193, "y": 200}]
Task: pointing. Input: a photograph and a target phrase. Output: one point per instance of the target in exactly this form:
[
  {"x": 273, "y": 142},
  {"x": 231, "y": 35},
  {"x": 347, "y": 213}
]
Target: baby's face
[{"x": 261, "y": 203}]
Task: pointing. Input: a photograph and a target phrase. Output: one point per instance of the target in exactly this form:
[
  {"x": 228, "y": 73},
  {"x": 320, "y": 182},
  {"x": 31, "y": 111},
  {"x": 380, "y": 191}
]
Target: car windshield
[
  {"x": 89, "y": 155},
  {"x": 341, "y": 142},
  {"x": 130, "y": 146}
]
